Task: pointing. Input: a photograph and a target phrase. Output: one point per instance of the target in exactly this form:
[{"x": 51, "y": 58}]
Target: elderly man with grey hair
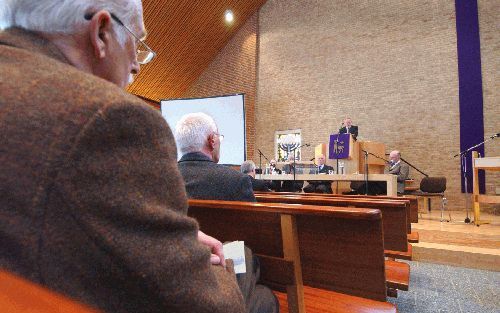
[
  {"x": 199, "y": 142},
  {"x": 92, "y": 204},
  {"x": 248, "y": 167}
]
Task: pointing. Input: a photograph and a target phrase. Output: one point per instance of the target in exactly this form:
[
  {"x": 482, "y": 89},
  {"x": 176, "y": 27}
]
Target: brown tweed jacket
[{"x": 92, "y": 204}]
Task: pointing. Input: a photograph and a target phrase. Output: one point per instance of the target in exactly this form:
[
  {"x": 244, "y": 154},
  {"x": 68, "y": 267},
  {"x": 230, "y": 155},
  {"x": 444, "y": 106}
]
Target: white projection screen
[{"x": 227, "y": 111}]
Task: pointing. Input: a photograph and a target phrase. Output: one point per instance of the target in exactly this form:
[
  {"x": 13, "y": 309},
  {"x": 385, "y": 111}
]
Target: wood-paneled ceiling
[{"x": 186, "y": 35}]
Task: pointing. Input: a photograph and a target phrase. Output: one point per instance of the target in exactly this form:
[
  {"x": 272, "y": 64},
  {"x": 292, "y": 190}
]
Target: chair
[{"x": 432, "y": 187}]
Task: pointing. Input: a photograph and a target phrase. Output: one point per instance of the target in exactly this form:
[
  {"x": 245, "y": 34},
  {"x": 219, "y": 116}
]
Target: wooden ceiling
[{"x": 186, "y": 35}]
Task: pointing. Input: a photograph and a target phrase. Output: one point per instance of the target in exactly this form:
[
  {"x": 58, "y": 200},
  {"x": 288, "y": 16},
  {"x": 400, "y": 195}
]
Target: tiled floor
[
  {"x": 447, "y": 288},
  {"x": 443, "y": 288},
  {"x": 457, "y": 243}
]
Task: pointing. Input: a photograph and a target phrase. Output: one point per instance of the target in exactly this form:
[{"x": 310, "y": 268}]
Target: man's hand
[{"x": 215, "y": 246}]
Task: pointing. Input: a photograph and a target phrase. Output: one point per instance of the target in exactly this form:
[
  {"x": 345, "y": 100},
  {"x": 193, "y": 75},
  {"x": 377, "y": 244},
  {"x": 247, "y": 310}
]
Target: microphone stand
[
  {"x": 463, "y": 162},
  {"x": 366, "y": 170},
  {"x": 294, "y": 162},
  {"x": 260, "y": 159},
  {"x": 414, "y": 167}
]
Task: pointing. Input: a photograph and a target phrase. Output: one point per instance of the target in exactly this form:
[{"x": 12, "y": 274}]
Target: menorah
[{"x": 288, "y": 144}]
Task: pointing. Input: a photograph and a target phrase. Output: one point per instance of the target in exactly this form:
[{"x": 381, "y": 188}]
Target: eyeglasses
[
  {"x": 144, "y": 53},
  {"x": 221, "y": 137}
]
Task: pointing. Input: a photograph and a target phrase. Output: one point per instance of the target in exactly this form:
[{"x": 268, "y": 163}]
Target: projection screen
[{"x": 229, "y": 115}]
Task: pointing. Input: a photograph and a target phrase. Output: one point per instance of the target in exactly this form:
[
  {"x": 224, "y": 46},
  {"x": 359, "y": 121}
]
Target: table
[{"x": 391, "y": 180}]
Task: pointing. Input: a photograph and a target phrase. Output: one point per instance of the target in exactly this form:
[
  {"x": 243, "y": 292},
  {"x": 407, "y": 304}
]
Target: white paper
[{"x": 236, "y": 251}]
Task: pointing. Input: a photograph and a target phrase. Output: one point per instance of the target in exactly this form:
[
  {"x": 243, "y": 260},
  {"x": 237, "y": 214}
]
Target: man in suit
[
  {"x": 396, "y": 167},
  {"x": 199, "y": 142},
  {"x": 248, "y": 167},
  {"x": 317, "y": 185},
  {"x": 348, "y": 128},
  {"x": 92, "y": 204}
]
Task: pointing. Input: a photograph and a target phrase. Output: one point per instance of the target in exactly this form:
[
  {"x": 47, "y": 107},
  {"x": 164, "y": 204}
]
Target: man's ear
[
  {"x": 100, "y": 33},
  {"x": 211, "y": 142}
]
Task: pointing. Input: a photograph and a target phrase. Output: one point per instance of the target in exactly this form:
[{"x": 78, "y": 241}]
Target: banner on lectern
[{"x": 339, "y": 146}]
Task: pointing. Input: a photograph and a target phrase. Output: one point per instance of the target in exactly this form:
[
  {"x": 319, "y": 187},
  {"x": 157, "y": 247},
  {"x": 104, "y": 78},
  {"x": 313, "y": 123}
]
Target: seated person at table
[
  {"x": 348, "y": 128},
  {"x": 275, "y": 184},
  {"x": 289, "y": 168},
  {"x": 272, "y": 165},
  {"x": 396, "y": 167},
  {"x": 248, "y": 167},
  {"x": 318, "y": 185},
  {"x": 199, "y": 140}
]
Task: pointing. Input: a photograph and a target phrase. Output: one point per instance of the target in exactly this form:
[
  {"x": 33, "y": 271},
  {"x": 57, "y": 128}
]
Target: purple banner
[
  {"x": 470, "y": 84},
  {"x": 339, "y": 146}
]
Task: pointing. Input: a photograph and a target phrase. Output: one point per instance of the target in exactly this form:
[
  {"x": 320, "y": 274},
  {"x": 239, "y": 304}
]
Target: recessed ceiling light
[{"x": 229, "y": 16}]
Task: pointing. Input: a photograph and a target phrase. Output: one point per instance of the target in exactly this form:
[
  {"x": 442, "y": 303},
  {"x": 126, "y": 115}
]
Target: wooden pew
[
  {"x": 333, "y": 248},
  {"x": 394, "y": 217},
  {"x": 393, "y": 220},
  {"x": 412, "y": 214},
  {"x": 18, "y": 295}
]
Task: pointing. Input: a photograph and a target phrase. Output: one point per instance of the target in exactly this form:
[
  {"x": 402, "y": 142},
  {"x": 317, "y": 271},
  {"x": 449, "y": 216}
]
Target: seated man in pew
[
  {"x": 248, "y": 167},
  {"x": 199, "y": 142},
  {"x": 319, "y": 186},
  {"x": 92, "y": 204}
]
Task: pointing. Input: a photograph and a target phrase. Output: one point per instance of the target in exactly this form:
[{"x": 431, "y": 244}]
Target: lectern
[
  {"x": 344, "y": 148},
  {"x": 375, "y": 165}
]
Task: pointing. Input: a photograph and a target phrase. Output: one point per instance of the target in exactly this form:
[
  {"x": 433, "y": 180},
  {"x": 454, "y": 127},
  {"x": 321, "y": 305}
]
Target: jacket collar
[
  {"x": 195, "y": 156},
  {"x": 31, "y": 41}
]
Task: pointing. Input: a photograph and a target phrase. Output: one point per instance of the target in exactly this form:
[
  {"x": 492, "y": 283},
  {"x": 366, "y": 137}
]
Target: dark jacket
[
  {"x": 92, "y": 204},
  {"x": 205, "y": 179},
  {"x": 352, "y": 130},
  {"x": 259, "y": 185}
]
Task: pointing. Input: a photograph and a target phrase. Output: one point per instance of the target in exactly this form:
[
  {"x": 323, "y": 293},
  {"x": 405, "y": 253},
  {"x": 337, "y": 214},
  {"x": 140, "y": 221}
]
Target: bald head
[
  {"x": 320, "y": 159},
  {"x": 395, "y": 156}
]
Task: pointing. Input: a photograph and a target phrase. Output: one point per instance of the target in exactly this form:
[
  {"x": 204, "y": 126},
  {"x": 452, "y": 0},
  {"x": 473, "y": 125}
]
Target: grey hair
[
  {"x": 192, "y": 131},
  {"x": 67, "y": 16},
  {"x": 247, "y": 167}
]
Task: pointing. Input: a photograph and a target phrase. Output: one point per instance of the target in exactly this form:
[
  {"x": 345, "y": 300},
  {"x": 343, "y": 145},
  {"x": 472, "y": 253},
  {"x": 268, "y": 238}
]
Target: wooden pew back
[
  {"x": 413, "y": 208},
  {"x": 18, "y": 295},
  {"x": 338, "y": 248},
  {"x": 394, "y": 213}
]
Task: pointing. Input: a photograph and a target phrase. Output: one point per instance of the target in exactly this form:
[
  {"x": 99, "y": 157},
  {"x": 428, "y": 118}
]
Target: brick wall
[
  {"x": 234, "y": 71},
  {"x": 389, "y": 64}
]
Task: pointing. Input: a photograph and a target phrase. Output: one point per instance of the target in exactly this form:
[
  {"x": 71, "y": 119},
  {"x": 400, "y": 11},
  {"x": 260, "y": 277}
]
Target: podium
[
  {"x": 375, "y": 165},
  {"x": 343, "y": 148}
]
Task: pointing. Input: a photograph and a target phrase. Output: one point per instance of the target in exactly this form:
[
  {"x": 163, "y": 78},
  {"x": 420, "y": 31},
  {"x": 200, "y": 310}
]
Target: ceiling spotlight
[{"x": 229, "y": 16}]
